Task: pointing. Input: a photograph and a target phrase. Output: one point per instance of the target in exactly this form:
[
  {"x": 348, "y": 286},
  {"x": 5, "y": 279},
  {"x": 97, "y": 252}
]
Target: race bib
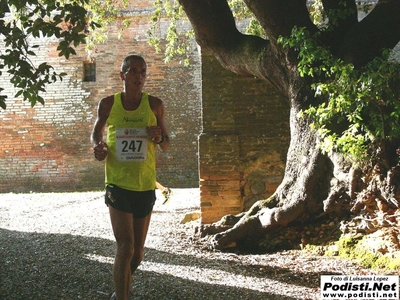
[{"x": 131, "y": 144}]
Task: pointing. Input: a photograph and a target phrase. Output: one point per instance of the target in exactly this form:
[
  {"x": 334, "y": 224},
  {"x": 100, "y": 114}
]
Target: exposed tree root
[
  {"x": 250, "y": 229},
  {"x": 371, "y": 198}
]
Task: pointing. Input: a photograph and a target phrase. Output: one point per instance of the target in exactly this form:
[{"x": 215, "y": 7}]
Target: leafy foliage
[
  {"x": 241, "y": 12},
  {"x": 179, "y": 37},
  {"x": 23, "y": 23},
  {"x": 357, "y": 108},
  {"x": 102, "y": 13}
]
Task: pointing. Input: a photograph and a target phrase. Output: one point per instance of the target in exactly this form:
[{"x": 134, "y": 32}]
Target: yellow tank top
[{"x": 130, "y": 163}]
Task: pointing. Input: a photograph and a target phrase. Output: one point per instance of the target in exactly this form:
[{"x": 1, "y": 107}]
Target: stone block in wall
[
  {"x": 211, "y": 215},
  {"x": 220, "y": 192}
]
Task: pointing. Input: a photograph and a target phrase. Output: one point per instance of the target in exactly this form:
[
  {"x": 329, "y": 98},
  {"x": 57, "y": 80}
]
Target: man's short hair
[{"x": 127, "y": 62}]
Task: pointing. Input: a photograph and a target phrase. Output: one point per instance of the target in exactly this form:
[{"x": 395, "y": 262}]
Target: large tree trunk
[
  {"x": 313, "y": 181},
  {"x": 318, "y": 185},
  {"x": 307, "y": 182}
]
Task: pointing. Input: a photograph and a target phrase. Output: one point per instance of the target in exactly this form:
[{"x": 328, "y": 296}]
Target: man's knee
[
  {"x": 136, "y": 259},
  {"x": 125, "y": 249}
]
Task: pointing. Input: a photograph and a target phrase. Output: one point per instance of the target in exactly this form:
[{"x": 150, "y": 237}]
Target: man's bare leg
[
  {"x": 122, "y": 224},
  {"x": 140, "y": 229},
  {"x": 130, "y": 235}
]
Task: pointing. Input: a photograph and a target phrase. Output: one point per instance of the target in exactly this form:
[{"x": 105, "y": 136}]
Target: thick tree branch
[
  {"x": 356, "y": 42},
  {"x": 347, "y": 19},
  {"x": 379, "y": 30},
  {"x": 278, "y": 17},
  {"x": 212, "y": 22},
  {"x": 342, "y": 16},
  {"x": 216, "y": 31}
]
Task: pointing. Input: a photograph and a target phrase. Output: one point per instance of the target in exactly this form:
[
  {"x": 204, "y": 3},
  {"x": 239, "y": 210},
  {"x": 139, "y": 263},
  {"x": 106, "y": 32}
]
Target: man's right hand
[{"x": 100, "y": 151}]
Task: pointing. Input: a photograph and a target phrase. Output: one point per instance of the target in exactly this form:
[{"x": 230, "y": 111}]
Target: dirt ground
[{"x": 60, "y": 246}]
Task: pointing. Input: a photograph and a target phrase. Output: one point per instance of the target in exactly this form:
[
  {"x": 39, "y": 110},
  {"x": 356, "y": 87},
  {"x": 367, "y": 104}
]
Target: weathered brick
[{"x": 64, "y": 123}]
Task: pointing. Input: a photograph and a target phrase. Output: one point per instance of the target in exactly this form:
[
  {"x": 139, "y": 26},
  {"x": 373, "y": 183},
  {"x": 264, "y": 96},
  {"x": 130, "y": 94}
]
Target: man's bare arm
[
  {"x": 103, "y": 111},
  {"x": 158, "y": 108}
]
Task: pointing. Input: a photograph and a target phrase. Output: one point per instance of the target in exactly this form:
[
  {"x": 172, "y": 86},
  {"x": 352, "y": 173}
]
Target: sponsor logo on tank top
[{"x": 133, "y": 120}]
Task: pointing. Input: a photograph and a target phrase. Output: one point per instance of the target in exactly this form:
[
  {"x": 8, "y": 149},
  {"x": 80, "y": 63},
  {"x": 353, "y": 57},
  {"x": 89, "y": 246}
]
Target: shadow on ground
[{"x": 62, "y": 266}]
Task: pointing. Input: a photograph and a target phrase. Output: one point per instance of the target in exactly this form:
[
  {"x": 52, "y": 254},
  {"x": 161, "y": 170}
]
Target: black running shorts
[{"x": 140, "y": 204}]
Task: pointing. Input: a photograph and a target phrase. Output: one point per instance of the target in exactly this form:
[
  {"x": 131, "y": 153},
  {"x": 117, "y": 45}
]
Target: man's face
[{"x": 135, "y": 76}]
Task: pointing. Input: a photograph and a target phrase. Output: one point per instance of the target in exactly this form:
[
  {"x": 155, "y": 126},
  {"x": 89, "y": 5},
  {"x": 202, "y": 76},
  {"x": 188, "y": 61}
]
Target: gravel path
[{"x": 60, "y": 246}]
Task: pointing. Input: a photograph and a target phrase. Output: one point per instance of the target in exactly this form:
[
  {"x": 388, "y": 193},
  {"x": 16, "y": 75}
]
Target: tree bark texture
[{"x": 310, "y": 176}]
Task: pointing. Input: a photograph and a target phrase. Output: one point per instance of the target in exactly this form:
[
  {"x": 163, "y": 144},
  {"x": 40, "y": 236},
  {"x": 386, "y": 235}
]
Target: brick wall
[
  {"x": 242, "y": 147},
  {"x": 47, "y": 148}
]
